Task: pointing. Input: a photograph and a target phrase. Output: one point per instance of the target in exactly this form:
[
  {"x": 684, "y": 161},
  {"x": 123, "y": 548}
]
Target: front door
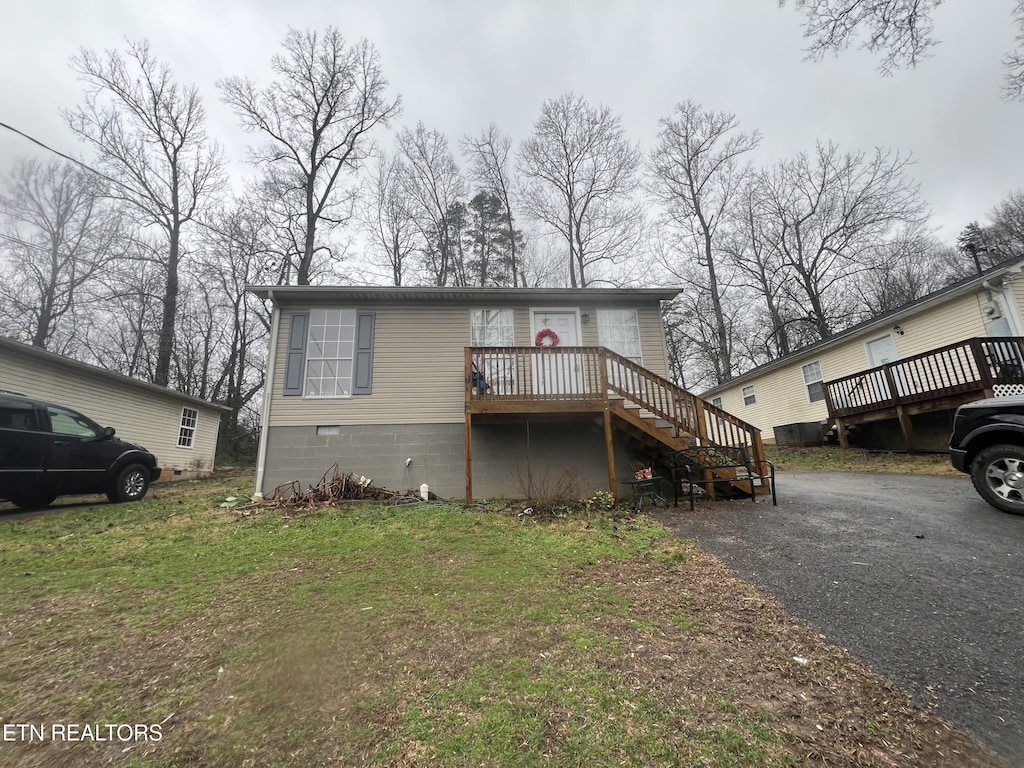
[
  {"x": 558, "y": 372},
  {"x": 880, "y": 352}
]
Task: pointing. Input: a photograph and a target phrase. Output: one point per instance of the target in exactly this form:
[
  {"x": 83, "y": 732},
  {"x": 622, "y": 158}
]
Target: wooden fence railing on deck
[
  {"x": 596, "y": 373},
  {"x": 971, "y": 365}
]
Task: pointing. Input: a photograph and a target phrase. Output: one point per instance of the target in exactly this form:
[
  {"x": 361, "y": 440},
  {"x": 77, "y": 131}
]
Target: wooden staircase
[{"x": 659, "y": 417}]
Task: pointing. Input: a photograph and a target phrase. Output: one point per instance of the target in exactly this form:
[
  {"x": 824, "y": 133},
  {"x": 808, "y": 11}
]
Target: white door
[
  {"x": 881, "y": 351},
  {"x": 560, "y": 372}
]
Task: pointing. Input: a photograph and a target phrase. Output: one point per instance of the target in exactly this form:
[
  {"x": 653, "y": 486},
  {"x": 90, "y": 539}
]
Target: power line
[
  {"x": 114, "y": 181},
  {"x": 61, "y": 154},
  {"x": 23, "y": 242}
]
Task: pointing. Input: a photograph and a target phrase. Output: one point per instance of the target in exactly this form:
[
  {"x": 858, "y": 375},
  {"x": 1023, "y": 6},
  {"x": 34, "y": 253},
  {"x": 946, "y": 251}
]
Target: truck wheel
[
  {"x": 998, "y": 475},
  {"x": 131, "y": 484}
]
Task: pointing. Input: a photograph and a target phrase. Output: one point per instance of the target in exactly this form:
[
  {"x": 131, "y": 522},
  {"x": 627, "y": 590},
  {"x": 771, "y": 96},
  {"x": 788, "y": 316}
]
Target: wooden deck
[
  {"x": 627, "y": 398},
  {"x": 932, "y": 381}
]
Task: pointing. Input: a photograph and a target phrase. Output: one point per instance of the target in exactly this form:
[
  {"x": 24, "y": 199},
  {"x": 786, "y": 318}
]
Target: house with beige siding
[
  {"x": 894, "y": 381},
  {"x": 180, "y": 430},
  {"x": 475, "y": 392}
]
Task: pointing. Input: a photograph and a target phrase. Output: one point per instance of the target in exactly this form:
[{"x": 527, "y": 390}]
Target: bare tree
[
  {"x": 753, "y": 249},
  {"x": 435, "y": 187},
  {"x": 149, "y": 134},
  {"x": 909, "y": 267},
  {"x": 316, "y": 118},
  {"x": 834, "y": 214},
  {"x": 1006, "y": 232},
  {"x": 698, "y": 170},
  {"x": 490, "y": 156},
  {"x": 223, "y": 360},
  {"x": 583, "y": 172},
  {"x": 899, "y": 30},
  {"x": 124, "y": 315},
  {"x": 59, "y": 235},
  {"x": 387, "y": 217}
]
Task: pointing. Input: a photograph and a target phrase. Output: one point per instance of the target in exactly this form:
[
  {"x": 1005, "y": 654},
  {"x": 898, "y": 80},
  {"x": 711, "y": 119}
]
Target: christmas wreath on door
[{"x": 546, "y": 335}]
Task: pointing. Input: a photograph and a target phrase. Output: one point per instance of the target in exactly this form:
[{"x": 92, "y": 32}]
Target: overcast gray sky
[{"x": 460, "y": 64}]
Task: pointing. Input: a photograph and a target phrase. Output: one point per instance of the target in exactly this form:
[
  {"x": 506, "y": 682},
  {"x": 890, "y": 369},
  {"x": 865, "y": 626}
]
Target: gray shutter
[
  {"x": 362, "y": 377},
  {"x": 295, "y": 364}
]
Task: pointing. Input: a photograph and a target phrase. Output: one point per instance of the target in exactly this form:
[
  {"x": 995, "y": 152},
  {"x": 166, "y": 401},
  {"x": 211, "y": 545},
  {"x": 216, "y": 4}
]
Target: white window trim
[
  {"x": 510, "y": 310},
  {"x": 807, "y": 384},
  {"x": 194, "y": 429},
  {"x": 352, "y": 360},
  {"x": 636, "y": 317},
  {"x": 752, "y": 395}
]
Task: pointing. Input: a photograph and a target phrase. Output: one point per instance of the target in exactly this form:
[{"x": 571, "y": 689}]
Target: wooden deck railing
[
  {"x": 968, "y": 366},
  {"x": 546, "y": 374}
]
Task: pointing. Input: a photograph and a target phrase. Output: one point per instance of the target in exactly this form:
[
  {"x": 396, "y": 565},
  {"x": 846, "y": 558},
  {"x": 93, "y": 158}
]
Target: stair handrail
[{"x": 706, "y": 415}]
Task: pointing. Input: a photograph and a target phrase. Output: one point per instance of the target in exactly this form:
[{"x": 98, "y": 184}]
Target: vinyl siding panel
[
  {"x": 782, "y": 395},
  {"x": 138, "y": 415},
  {"x": 418, "y": 363}
]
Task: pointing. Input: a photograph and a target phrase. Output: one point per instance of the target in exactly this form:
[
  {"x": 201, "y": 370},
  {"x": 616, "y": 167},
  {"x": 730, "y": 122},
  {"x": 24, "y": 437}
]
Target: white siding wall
[
  {"x": 781, "y": 393},
  {"x": 138, "y": 415},
  {"x": 418, "y": 364}
]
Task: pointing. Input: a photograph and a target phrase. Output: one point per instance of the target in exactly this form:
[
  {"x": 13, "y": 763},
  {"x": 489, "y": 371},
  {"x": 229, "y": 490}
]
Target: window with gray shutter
[{"x": 330, "y": 353}]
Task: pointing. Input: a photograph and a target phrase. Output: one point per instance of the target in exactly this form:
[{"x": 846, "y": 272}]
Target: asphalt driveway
[{"x": 916, "y": 575}]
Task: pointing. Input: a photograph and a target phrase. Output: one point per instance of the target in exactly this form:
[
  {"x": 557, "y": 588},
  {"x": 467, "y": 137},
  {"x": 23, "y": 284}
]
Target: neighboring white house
[
  {"x": 788, "y": 395},
  {"x": 180, "y": 430}
]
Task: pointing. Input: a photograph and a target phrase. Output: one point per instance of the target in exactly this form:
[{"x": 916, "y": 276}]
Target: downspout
[{"x": 268, "y": 389}]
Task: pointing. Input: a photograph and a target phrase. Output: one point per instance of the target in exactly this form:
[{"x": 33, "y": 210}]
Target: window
[
  {"x": 491, "y": 328},
  {"x": 748, "y": 395},
  {"x": 65, "y": 422},
  {"x": 717, "y": 402},
  {"x": 329, "y": 353},
  {"x": 494, "y": 328},
  {"x": 330, "y": 349},
  {"x": 814, "y": 382},
  {"x": 328, "y": 429},
  {"x": 15, "y": 415},
  {"x": 619, "y": 331},
  {"x": 187, "y": 431}
]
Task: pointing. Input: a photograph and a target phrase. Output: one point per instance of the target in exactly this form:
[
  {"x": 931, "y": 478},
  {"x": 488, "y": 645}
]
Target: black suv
[
  {"x": 988, "y": 443},
  {"x": 47, "y": 450}
]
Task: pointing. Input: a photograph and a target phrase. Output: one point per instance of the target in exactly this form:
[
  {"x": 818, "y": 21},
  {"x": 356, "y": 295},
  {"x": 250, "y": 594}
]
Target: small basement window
[
  {"x": 328, "y": 429},
  {"x": 748, "y": 395},
  {"x": 187, "y": 431}
]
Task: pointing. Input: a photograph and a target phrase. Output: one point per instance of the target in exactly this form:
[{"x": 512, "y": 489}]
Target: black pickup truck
[
  {"x": 988, "y": 443},
  {"x": 48, "y": 450}
]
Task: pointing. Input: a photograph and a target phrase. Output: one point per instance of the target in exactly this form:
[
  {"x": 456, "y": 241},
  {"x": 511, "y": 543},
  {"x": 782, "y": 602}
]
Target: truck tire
[
  {"x": 998, "y": 475},
  {"x": 131, "y": 484}
]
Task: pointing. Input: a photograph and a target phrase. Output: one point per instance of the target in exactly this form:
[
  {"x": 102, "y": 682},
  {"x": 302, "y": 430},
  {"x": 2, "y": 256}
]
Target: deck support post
[
  {"x": 613, "y": 487},
  {"x": 844, "y": 441},
  {"x": 469, "y": 458},
  {"x": 907, "y": 428}
]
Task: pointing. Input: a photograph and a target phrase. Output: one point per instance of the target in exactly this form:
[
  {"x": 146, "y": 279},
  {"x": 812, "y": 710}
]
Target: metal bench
[{"x": 708, "y": 465}]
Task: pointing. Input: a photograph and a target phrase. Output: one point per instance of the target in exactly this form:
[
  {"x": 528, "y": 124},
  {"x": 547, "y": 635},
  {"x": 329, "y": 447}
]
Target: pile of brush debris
[{"x": 332, "y": 488}]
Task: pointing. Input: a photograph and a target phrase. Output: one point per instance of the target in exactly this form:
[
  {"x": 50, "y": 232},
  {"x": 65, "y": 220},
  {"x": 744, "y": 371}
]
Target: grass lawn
[
  {"x": 422, "y": 635},
  {"x": 859, "y": 460}
]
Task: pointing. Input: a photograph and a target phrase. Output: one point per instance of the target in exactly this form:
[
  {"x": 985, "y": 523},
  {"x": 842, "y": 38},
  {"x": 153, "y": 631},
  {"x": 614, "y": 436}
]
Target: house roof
[
  {"x": 304, "y": 294},
  {"x": 117, "y": 378},
  {"x": 950, "y": 291}
]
